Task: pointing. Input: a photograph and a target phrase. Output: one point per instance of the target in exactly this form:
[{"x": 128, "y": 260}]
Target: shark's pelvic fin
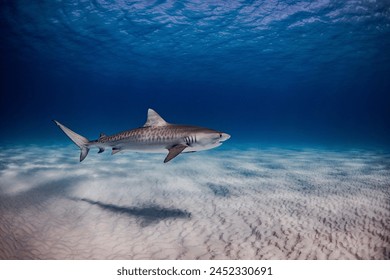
[
  {"x": 79, "y": 140},
  {"x": 115, "y": 150},
  {"x": 154, "y": 119},
  {"x": 174, "y": 151},
  {"x": 101, "y": 150}
]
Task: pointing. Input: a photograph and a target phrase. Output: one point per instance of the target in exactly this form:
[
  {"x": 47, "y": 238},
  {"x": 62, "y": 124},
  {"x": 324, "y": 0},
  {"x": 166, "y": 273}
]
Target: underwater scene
[{"x": 195, "y": 129}]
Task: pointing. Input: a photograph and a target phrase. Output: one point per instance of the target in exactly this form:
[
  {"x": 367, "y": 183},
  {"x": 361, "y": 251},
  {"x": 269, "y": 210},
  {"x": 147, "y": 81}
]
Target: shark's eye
[{"x": 220, "y": 135}]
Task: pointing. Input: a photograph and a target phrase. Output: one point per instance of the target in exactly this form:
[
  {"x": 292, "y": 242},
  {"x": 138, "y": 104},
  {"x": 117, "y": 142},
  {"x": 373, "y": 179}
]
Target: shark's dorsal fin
[
  {"x": 102, "y": 135},
  {"x": 154, "y": 119},
  {"x": 174, "y": 151}
]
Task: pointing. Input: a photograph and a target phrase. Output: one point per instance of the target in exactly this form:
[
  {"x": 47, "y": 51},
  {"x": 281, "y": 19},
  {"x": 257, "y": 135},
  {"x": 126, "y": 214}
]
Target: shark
[{"x": 155, "y": 136}]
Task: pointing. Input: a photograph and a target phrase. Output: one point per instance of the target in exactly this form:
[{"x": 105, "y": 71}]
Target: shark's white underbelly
[{"x": 151, "y": 147}]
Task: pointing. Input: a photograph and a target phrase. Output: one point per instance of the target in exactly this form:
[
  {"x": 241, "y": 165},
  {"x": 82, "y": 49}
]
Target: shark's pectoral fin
[
  {"x": 115, "y": 150},
  {"x": 174, "y": 151},
  {"x": 101, "y": 150}
]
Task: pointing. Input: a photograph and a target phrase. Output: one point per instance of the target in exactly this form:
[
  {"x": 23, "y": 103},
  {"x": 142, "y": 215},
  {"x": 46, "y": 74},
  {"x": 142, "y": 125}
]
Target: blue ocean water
[{"x": 289, "y": 72}]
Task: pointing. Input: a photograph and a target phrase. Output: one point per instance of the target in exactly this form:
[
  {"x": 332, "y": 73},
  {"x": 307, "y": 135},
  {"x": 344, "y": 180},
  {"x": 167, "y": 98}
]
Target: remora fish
[{"x": 155, "y": 136}]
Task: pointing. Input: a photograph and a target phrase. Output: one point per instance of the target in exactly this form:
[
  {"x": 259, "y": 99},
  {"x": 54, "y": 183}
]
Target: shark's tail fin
[{"x": 79, "y": 140}]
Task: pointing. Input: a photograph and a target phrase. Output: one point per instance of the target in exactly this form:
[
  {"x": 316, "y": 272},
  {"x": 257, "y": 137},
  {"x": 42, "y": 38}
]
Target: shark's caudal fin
[{"x": 79, "y": 140}]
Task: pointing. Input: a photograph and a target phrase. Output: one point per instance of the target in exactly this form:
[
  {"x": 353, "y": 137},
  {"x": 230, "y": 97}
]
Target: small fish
[{"x": 155, "y": 136}]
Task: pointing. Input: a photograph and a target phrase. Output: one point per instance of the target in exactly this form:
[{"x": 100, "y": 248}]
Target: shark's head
[
  {"x": 223, "y": 137},
  {"x": 210, "y": 139}
]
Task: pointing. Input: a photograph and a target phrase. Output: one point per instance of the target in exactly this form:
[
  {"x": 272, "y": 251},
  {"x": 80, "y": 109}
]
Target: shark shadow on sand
[
  {"x": 219, "y": 190},
  {"x": 145, "y": 215}
]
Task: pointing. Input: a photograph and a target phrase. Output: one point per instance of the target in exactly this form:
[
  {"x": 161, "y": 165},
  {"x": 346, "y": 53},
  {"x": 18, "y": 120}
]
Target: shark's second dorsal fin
[{"x": 154, "y": 119}]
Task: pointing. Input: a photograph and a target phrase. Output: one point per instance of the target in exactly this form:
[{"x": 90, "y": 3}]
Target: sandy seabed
[{"x": 272, "y": 203}]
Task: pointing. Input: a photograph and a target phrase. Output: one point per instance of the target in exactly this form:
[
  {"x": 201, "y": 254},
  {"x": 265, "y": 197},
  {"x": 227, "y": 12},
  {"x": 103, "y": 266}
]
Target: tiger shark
[{"x": 155, "y": 136}]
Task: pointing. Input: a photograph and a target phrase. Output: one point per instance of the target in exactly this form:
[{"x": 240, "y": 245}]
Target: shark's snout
[{"x": 224, "y": 137}]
